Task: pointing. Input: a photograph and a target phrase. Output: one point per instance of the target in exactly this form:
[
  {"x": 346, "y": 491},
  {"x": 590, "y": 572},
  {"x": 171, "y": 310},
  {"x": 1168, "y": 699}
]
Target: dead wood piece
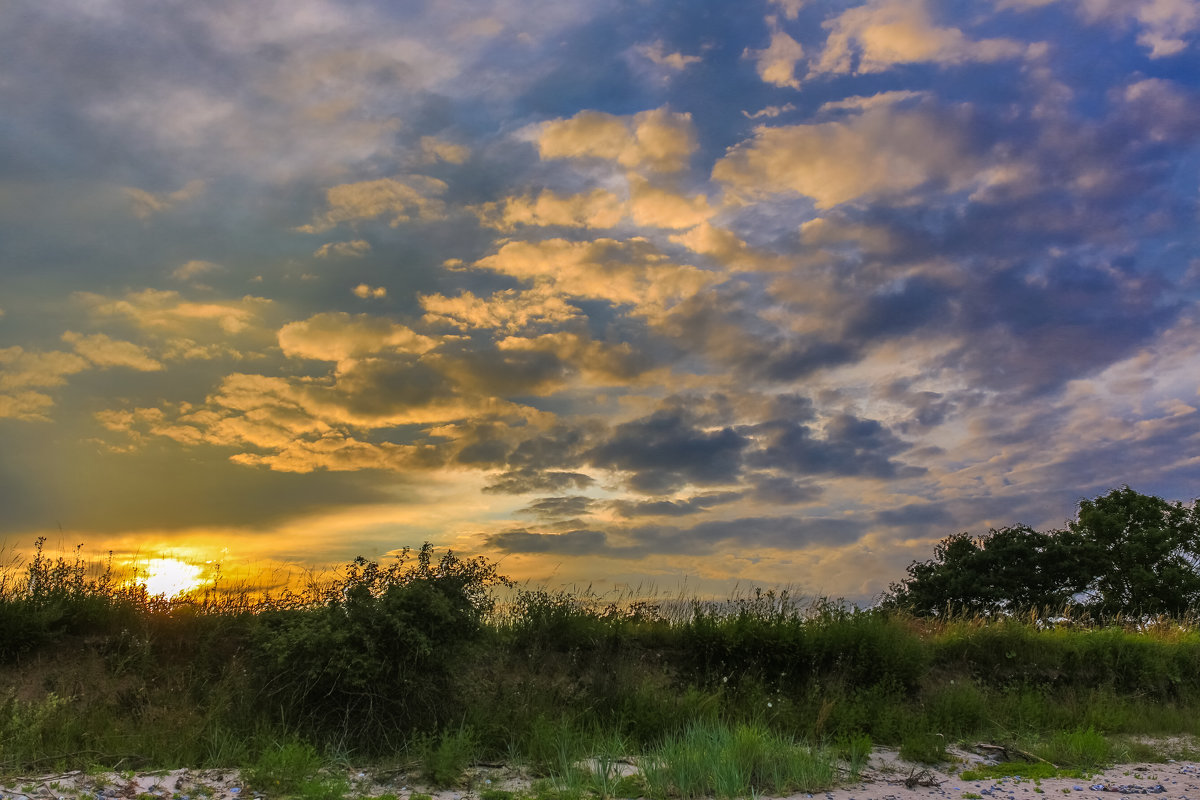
[
  {"x": 922, "y": 778},
  {"x": 1008, "y": 751}
]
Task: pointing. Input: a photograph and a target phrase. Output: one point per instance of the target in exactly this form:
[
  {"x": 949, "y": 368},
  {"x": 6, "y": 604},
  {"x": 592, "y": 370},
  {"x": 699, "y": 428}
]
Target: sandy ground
[{"x": 885, "y": 778}]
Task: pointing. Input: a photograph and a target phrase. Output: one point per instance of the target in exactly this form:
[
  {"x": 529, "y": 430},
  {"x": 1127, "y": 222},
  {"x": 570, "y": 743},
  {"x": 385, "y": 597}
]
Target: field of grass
[{"x": 437, "y": 661}]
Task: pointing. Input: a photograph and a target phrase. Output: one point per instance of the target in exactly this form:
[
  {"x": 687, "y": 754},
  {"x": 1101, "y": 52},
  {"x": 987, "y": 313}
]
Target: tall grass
[{"x": 436, "y": 655}]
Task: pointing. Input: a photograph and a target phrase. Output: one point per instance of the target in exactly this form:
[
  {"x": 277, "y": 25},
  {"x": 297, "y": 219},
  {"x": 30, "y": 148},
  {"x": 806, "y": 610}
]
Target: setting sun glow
[{"x": 170, "y": 577}]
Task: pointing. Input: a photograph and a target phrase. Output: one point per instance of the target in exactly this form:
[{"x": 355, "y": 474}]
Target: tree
[
  {"x": 1125, "y": 553},
  {"x": 1142, "y": 553},
  {"x": 1007, "y": 570}
]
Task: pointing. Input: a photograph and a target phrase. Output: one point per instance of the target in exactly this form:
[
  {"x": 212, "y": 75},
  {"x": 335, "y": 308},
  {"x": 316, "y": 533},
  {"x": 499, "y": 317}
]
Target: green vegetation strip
[{"x": 431, "y": 663}]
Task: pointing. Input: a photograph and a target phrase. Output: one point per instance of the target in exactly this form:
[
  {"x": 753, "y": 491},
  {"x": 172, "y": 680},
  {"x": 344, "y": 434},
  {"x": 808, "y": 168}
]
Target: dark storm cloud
[
  {"x": 850, "y": 446},
  {"x": 548, "y": 507},
  {"x": 915, "y": 515},
  {"x": 666, "y": 450},
  {"x": 897, "y": 311},
  {"x": 781, "y": 490},
  {"x": 1031, "y": 330},
  {"x": 528, "y": 481},
  {"x": 573, "y": 543},
  {"x": 673, "y": 508},
  {"x": 640, "y": 542}
]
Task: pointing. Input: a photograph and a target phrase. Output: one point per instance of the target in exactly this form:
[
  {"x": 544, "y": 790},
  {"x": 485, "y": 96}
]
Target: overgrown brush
[{"x": 412, "y": 656}]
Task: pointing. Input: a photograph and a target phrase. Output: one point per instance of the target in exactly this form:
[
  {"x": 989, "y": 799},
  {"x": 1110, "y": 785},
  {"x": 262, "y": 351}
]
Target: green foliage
[
  {"x": 382, "y": 654},
  {"x": 735, "y": 761},
  {"x": 446, "y": 756},
  {"x": 283, "y": 769},
  {"x": 1125, "y": 554},
  {"x": 1009, "y": 569},
  {"x": 1084, "y": 748},
  {"x": 412, "y": 658},
  {"x": 924, "y": 747},
  {"x": 1140, "y": 552},
  {"x": 1030, "y": 770}
]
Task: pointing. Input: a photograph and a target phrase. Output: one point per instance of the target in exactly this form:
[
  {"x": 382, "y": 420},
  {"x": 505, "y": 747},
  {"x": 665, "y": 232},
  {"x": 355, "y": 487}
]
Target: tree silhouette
[{"x": 1125, "y": 553}]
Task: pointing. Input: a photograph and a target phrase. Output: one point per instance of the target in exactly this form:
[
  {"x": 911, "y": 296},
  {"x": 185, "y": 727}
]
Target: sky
[{"x": 629, "y": 294}]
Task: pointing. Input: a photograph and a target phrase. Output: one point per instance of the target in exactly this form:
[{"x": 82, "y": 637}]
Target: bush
[{"x": 381, "y": 657}]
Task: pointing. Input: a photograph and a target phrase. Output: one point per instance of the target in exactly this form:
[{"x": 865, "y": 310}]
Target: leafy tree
[
  {"x": 1008, "y": 569},
  {"x": 1142, "y": 554},
  {"x": 1126, "y": 553}
]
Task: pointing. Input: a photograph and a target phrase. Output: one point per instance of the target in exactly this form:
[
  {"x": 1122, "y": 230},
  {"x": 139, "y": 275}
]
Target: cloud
[
  {"x": 782, "y": 533},
  {"x": 334, "y": 453},
  {"x": 167, "y": 310},
  {"x": 656, "y": 52},
  {"x": 368, "y": 293},
  {"x": 598, "y": 208},
  {"x": 400, "y": 199},
  {"x": 338, "y": 336},
  {"x": 20, "y": 368},
  {"x": 27, "y": 406},
  {"x": 195, "y": 268},
  {"x": 146, "y": 204},
  {"x": 601, "y": 363},
  {"x": 648, "y": 205},
  {"x": 658, "y": 140},
  {"x": 1165, "y": 25},
  {"x": 791, "y": 8},
  {"x": 654, "y": 207},
  {"x": 880, "y": 153},
  {"x": 861, "y": 103},
  {"x": 575, "y": 543},
  {"x": 673, "y": 508},
  {"x": 528, "y": 480},
  {"x": 434, "y": 149},
  {"x": 884, "y": 33},
  {"x": 356, "y": 248},
  {"x": 508, "y": 311},
  {"x": 851, "y": 446},
  {"x": 552, "y": 507},
  {"x": 105, "y": 352},
  {"x": 624, "y": 273},
  {"x": 776, "y": 63},
  {"x": 666, "y": 451},
  {"x": 769, "y": 112}
]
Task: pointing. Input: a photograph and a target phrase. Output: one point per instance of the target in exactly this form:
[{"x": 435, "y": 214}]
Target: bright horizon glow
[{"x": 169, "y": 577}]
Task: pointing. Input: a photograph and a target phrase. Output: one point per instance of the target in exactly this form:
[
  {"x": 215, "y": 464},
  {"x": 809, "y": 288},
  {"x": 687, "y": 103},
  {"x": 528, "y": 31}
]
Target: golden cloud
[
  {"x": 633, "y": 272},
  {"x": 880, "y": 152},
  {"x": 338, "y": 336},
  {"x": 152, "y": 308},
  {"x": 659, "y": 208},
  {"x": 888, "y": 32},
  {"x": 510, "y": 310},
  {"x": 596, "y": 209},
  {"x": 777, "y": 63},
  {"x": 20, "y": 368},
  {"x": 435, "y": 149},
  {"x": 356, "y": 248},
  {"x": 368, "y": 292},
  {"x": 657, "y": 140},
  {"x": 27, "y": 406},
  {"x": 600, "y": 363},
  {"x": 400, "y": 199},
  {"x": 105, "y": 352},
  {"x": 656, "y": 52},
  {"x": 146, "y": 204}
]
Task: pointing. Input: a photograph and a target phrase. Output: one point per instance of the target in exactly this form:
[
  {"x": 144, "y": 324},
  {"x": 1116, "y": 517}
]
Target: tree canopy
[{"x": 1125, "y": 553}]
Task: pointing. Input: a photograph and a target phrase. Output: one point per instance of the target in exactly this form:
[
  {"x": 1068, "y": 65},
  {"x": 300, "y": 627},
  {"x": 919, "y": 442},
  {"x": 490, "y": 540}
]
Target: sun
[{"x": 170, "y": 577}]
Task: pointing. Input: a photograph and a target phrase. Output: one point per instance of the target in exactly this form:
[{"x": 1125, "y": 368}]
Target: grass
[
  {"x": 438, "y": 662},
  {"x": 735, "y": 761}
]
